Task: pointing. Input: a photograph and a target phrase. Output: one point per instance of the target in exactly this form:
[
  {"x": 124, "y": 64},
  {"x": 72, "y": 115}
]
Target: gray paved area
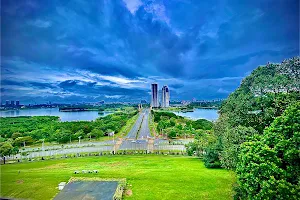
[
  {"x": 79, "y": 190},
  {"x": 134, "y": 145}
]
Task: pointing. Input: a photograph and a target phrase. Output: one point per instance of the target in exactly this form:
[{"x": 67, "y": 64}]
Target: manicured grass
[{"x": 148, "y": 176}]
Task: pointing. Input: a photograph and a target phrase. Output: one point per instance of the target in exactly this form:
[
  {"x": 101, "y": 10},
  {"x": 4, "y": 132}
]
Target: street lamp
[
  {"x": 156, "y": 145},
  {"x": 134, "y": 149},
  {"x": 79, "y": 140},
  {"x": 43, "y": 144}
]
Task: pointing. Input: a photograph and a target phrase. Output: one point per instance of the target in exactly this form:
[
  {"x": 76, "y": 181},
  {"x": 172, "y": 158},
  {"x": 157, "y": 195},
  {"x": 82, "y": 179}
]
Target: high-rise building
[
  {"x": 154, "y": 95},
  {"x": 12, "y": 103},
  {"x": 165, "y": 97},
  {"x": 7, "y": 103},
  {"x": 17, "y": 103}
]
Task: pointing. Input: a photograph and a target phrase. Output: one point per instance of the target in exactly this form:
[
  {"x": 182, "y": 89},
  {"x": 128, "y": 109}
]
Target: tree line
[
  {"x": 17, "y": 131},
  {"x": 177, "y": 126}
]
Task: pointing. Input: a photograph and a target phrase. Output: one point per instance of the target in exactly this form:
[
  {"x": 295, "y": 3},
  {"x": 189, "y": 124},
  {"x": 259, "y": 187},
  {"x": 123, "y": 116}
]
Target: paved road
[
  {"x": 133, "y": 132},
  {"x": 144, "y": 132},
  {"x": 134, "y": 145}
]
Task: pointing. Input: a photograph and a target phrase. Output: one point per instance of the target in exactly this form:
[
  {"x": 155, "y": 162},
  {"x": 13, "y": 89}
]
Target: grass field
[{"x": 148, "y": 176}]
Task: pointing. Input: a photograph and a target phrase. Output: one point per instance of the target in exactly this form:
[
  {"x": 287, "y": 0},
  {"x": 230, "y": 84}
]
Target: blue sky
[{"x": 112, "y": 50}]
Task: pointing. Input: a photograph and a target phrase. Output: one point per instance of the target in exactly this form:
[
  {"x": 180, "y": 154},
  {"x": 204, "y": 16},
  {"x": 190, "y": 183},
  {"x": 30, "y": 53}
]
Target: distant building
[
  {"x": 18, "y": 103},
  {"x": 143, "y": 101},
  {"x": 165, "y": 97},
  {"x": 7, "y": 103},
  {"x": 154, "y": 95},
  {"x": 12, "y": 103}
]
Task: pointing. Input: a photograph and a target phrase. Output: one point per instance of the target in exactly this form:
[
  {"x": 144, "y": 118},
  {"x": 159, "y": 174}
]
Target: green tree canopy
[
  {"x": 7, "y": 149},
  {"x": 269, "y": 164}
]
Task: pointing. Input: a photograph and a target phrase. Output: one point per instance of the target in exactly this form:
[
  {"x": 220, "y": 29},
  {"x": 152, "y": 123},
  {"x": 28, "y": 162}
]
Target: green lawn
[{"x": 148, "y": 176}]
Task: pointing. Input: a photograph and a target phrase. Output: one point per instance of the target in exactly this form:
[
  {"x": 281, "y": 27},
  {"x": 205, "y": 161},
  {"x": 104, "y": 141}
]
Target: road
[
  {"x": 133, "y": 132},
  {"x": 144, "y": 132},
  {"x": 134, "y": 145}
]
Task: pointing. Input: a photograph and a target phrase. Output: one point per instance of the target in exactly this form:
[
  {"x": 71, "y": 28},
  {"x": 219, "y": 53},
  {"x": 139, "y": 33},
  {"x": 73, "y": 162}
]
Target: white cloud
[
  {"x": 119, "y": 80},
  {"x": 223, "y": 91},
  {"x": 159, "y": 12},
  {"x": 113, "y": 96},
  {"x": 40, "y": 23},
  {"x": 133, "y": 5}
]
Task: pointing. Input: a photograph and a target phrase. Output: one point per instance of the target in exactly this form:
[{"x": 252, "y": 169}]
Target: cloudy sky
[{"x": 112, "y": 50}]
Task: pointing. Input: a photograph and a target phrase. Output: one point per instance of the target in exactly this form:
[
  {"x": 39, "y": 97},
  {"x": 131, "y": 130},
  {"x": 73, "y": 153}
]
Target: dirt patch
[
  {"x": 20, "y": 181},
  {"x": 128, "y": 193}
]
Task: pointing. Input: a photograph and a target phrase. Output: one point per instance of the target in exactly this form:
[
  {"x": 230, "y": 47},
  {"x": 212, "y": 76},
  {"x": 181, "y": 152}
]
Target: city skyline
[{"x": 76, "y": 51}]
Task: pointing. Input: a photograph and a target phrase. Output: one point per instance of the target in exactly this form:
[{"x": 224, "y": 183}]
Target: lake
[
  {"x": 64, "y": 116},
  {"x": 200, "y": 113}
]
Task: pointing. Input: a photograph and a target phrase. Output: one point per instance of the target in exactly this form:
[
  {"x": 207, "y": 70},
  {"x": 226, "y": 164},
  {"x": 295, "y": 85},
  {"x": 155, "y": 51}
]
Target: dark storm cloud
[
  {"x": 176, "y": 86},
  {"x": 62, "y": 49}
]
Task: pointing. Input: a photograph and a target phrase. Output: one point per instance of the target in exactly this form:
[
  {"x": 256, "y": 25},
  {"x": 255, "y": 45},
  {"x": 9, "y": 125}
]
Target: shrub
[{"x": 211, "y": 157}]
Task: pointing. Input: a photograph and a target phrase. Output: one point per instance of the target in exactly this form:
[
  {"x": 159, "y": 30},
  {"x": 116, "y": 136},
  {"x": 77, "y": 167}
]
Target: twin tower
[{"x": 165, "y": 96}]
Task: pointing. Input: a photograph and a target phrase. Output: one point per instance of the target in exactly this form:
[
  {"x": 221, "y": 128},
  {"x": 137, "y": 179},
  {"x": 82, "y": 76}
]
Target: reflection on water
[
  {"x": 64, "y": 116},
  {"x": 209, "y": 114}
]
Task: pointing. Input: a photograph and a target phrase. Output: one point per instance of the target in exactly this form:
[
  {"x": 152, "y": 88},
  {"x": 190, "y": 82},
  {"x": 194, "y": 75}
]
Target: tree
[
  {"x": 16, "y": 135},
  {"x": 202, "y": 124},
  {"x": 172, "y": 121},
  {"x": 63, "y": 136},
  {"x": 6, "y": 149},
  {"x": 79, "y": 133},
  {"x": 21, "y": 140},
  {"x": 201, "y": 143},
  {"x": 231, "y": 141},
  {"x": 268, "y": 166},
  {"x": 172, "y": 133},
  {"x": 96, "y": 133}
]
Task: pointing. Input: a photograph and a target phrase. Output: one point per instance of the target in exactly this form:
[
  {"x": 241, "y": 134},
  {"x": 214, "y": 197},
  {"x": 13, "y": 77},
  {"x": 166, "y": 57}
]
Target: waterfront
[
  {"x": 200, "y": 113},
  {"x": 209, "y": 114},
  {"x": 64, "y": 116}
]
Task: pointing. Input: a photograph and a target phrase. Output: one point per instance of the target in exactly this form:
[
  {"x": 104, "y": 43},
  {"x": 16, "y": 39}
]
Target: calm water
[
  {"x": 209, "y": 114},
  {"x": 64, "y": 116}
]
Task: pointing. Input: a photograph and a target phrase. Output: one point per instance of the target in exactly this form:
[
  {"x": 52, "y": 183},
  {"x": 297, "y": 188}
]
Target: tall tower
[
  {"x": 154, "y": 95},
  {"x": 165, "y": 97}
]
